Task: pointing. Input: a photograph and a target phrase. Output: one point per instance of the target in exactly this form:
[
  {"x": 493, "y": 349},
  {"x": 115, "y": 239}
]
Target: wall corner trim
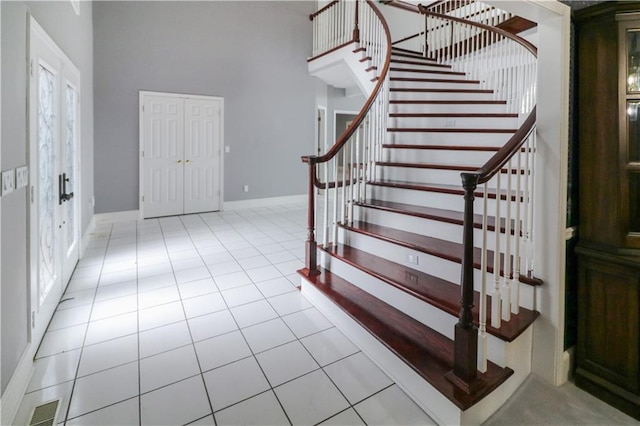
[{"x": 12, "y": 396}]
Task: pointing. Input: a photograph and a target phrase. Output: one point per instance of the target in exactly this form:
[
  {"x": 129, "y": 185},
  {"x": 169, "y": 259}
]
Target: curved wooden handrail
[
  {"x": 318, "y": 12},
  {"x": 368, "y": 104}
]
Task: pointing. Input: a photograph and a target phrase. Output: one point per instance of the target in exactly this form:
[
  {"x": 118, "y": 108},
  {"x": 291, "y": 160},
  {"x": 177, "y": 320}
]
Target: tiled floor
[{"x": 195, "y": 320}]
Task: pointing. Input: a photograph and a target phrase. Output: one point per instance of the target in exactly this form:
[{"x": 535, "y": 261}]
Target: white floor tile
[
  {"x": 205, "y": 421},
  {"x": 111, "y": 328},
  {"x": 113, "y": 307},
  {"x": 30, "y": 400},
  {"x": 116, "y": 290},
  {"x": 197, "y": 288},
  {"x": 241, "y": 295},
  {"x": 346, "y": 418},
  {"x": 76, "y": 298},
  {"x": 243, "y": 253},
  {"x": 63, "y": 340},
  {"x": 267, "y": 335},
  {"x": 177, "y": 404},
  {"x": 216, "y": 256},
  {"x": 254, "y": 262},
  {"x": 69, "y": 317},
  {"x": 286, "y": 362},
  {"x": 235, "y": 382},
  {"x": 357, "y": 377},
  {"x": 289, "y": 303},
  {"x": 232, "y": 280},
  {"x": 311, "y": 399},
  {"x": 164, "y": 338},
  {"x": 280, "y": 256},
  {"x": 156, "y": 281},
  {"x": 276, "y": 286},
  {"x": 122, "y": 413},
  {"x": 262, "y": 409},
  {"x": 78, "y": 283},
  {"x": 203, "y": 305},
  {"x": 289, "y": 267},
  {"x": 53, "y": 370},
  {"x": 111, "y": 353},
  {"x": 392, "y": 407},
  {"x": 309, "y": 321},
  {"x": 153, "y": 267},
  {"x": 118, "y": 277},
  {"x": 160, "y": 315},
  {"x": 253, "y": 313},
  {"x": 168, "y": 367},
  {"x": 211, "y": 325},
  {"x": 329, "y": 346},
  {"x": 104, "y": 388},
  {"x": 192, "y": 274},
  {"x": 263, "y": 273},
  {"x": 221, "y": 350},
  {"x": 157, "y": 297}
]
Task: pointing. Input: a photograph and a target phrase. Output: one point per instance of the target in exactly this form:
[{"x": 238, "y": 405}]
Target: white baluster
[{"x": 495, "y": 297}]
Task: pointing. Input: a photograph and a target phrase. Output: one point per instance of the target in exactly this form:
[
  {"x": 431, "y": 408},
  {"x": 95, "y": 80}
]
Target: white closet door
[
  {"x": 163, "y": 156},
  {"x": 202, "y": 155}
]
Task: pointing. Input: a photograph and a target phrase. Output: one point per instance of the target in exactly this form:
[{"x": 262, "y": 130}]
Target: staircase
[{"x": 394, "y": 225}]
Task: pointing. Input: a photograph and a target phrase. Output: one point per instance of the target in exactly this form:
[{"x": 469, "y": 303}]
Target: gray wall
[
  {"x": 74, "y": 35},
  {"x": 251, "y": 53}
]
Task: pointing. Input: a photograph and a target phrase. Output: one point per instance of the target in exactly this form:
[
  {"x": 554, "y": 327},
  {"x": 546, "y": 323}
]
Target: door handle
[
  {"x": 179, "y": 161},
  {"x": 188, "y": 161},
  {"x": 62, "y": 189}
]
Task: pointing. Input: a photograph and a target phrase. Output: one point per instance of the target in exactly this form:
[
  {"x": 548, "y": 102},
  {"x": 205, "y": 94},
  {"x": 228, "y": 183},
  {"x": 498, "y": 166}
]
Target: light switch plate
[
  {"x": 8, "y": 182},
  {"x": 22, "y": 177}
]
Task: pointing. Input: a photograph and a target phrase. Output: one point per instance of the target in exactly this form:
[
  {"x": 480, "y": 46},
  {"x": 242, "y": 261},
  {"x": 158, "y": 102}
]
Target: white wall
[
  {"x": 252, "y": 53},
  {"x": 74, "y": 35}
]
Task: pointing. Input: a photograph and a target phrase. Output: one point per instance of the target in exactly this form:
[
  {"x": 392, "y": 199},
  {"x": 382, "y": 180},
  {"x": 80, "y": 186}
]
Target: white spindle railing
[
  {"x": 507, "y": 65},
  {"x": 333, "y": 26},
  {"x": 350, "y": 163}
]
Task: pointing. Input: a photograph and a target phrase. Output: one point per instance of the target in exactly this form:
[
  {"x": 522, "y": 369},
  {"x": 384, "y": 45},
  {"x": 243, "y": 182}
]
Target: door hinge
[
  {"x": 142, "y": 107},
  {"x": 31, "y": 68},
  {"x": 33, "y": 319},
  {"x": 143, "y": 198},
  {"x": 32, "y": 194}
]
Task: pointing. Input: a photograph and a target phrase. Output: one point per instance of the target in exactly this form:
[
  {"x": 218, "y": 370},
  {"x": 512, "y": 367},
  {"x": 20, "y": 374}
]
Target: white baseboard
[
  {"x": 568, "y": 359},
  {"x": 115, "y": 217},
  {"x": 12, "y": 396},
  {"x": 264, "y": 202},
  {"x": 86, "y": 237}
]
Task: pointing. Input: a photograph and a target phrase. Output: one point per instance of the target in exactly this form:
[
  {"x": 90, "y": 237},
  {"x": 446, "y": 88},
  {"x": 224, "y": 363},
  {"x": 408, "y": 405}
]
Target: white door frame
[
  {"x": 143, "y": 94},
  {"x": 335, "y": 115}
]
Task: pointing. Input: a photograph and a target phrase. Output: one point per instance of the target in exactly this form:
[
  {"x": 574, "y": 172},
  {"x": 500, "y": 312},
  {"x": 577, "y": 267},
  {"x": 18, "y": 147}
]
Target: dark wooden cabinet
[{"x": 608, "y": 73}]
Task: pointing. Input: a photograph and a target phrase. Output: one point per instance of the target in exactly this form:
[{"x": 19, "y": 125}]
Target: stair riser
[
  {"x": 427, "y": 314},
  {"x": 454, "y": 122},
  {"x": 460, "y": 84},
  {"x": 440, "y": 96},
  {"x": 426, "y": 74},
  {"x": 446, "y": 177},
  {"x": 437, "y": 156},
  {"x": 448, "y": 108},
  {"x": 433, "y": 265},
  {"x": 422, "y": 67},
  {"x": 449, "y": 138},
  {"x": 433, "y": 228}
]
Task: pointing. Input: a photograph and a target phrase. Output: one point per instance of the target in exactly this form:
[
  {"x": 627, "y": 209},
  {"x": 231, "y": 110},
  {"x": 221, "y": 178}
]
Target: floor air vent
[{"x": 45, "y": 414}]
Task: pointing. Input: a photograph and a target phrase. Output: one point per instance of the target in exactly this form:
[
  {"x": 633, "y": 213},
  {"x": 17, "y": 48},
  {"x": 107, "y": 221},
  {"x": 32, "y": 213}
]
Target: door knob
[{"x": 179, "y": 161}]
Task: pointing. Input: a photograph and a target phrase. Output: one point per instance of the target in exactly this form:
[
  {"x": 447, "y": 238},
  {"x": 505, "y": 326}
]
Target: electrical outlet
[
  {"x": 449, "y": 123},
  {"x": 22, "y": 177},
  {"x": 245, "y": 188},
  {"x": 227, "y": 149},
  {"x": 8, "y": 182},
  {"x": 412, "y": 259}
]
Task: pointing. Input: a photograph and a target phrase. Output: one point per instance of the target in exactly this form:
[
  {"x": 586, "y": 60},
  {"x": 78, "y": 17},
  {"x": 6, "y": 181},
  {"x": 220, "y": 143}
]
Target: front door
[{"x": 53, "y": 152}]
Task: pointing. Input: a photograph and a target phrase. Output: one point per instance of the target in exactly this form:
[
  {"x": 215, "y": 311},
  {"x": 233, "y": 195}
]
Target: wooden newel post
[
  {"x": 311, "y": 249},
  {"x": 465, "y": 364},
  {"x": 356, "y": 28}
]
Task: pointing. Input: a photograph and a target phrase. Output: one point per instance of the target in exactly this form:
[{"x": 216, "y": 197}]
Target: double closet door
[{"x": 181, "y": 167}]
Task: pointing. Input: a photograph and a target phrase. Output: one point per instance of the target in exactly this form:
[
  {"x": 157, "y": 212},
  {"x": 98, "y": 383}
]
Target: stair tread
[
  {"x": 447, "y": 130},
  {"x": 427, "y": 352},
  {"x": 435, "y": 187},
  {"x": 433, "y": 80},
  {"x": 413, "y": 55},
  {"x": 441, "y": 147},
  {"x": 420, "y": 63},
  {"x": 423, "y": 71},
  {"x": 451, "y": 114},
  {"x": 446, "y": 102},
  {"x": 435, "y": 90},
  {"x": 443, "y": 249},
  {"x": 433, "y": 213},
  {"x": 433, "y": 290}
]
